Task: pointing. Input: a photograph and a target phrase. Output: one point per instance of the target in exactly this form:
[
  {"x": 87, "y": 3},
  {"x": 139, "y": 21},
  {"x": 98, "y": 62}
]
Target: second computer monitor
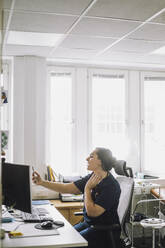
[{"x": 16, "y": 186}]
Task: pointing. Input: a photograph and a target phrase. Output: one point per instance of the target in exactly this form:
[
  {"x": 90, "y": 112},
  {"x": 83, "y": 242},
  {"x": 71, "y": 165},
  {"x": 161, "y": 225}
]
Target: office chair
[{"x": 124, "y": 209}]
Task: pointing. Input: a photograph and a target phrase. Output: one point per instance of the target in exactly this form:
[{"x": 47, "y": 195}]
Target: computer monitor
[{"x": 16, "y": 186}]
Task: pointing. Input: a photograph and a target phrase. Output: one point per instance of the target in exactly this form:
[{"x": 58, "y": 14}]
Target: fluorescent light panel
[
  {"x": 33, "y": 39},
  {"x": 160, "y": 51}
]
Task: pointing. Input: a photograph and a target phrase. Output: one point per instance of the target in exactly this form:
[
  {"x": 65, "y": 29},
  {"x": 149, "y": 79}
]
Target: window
[
  {"x": 89, "y": 108},
  {"x": 108, "y": 115},
  {"x": 153, "y": 124},
  {"x": 60, "y": 126}
]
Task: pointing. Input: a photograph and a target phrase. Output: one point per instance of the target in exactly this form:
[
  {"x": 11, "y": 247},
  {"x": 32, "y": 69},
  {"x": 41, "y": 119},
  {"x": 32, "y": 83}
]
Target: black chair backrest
[{"x": 122, "y": 170}]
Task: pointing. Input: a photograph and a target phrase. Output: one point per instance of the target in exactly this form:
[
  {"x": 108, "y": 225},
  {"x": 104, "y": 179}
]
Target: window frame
[
  {"x": 58, "y": 69},
  {"x": 105, "y": 72},
  {"x": 142, "y": 121}
]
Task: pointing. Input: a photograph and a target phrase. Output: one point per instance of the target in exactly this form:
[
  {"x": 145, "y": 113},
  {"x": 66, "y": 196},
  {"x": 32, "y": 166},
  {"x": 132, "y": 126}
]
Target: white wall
[
  {"x": 134, "y": 120},
  {"x": 82, "y": 119}
]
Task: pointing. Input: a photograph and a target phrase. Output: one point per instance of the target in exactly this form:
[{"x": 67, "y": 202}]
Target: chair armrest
[
  {"x": 146, "y": 201},
  {"x": 113, "y": 227},
  {"x": 78, "y": 213}
]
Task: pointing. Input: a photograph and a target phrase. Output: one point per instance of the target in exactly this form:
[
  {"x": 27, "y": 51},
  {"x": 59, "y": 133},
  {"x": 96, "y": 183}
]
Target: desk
[
  {"x": 68, "y": 237},
  {"x": 159, "y": 193},
  {"x": 67, "y": 209}
]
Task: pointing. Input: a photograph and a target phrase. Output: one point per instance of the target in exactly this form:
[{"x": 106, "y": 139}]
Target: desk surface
[{"x": 68, "y": 236}]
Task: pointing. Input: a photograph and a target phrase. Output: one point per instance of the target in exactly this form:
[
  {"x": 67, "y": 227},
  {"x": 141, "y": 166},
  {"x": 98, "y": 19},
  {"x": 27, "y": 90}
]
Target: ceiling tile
[
  {"x": 104, "y": 27},
  {"x": 150, "y": 31},
  {"x": 86, "y": 42},
  {"x": 127, "y": 9},
  {"x": 6, "y": 4},
  {"x": 73, "y": 53},
  {"x": 15, "y": 50},
  {"x": 137, "y": 46},
  {"x": 151, "y": 58},
  {"x": 92, "y": 34},
  {"x": 43, "y": 23},
  {"x": 120, "y": 56},
  {"x": 160, "y": 18},
  {"x": 132, "y": 58},
  {"x": 56, "y": 6}
]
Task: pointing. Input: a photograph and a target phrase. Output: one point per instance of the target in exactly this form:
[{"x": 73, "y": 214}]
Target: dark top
[{"x": 106, "y": 194}]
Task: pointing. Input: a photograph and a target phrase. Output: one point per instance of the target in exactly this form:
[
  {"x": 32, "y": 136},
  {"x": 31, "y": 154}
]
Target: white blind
[
  {"x": 108, "y": 76},
  {"x": 154, "y": 78}
]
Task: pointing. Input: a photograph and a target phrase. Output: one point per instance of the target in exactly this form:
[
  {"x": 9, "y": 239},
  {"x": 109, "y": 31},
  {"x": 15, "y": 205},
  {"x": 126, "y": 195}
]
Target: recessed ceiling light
[
  {"x": 33, "y": 39},
  {"x": 160, "y": 51}
]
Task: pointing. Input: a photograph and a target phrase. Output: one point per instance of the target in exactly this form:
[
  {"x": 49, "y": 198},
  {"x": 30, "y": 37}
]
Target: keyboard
[{"x": 38, "y": 215}]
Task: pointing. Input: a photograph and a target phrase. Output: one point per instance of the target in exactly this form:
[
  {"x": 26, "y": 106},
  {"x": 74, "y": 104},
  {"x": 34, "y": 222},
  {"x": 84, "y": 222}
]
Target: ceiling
[{"x": 94, "y": 31}]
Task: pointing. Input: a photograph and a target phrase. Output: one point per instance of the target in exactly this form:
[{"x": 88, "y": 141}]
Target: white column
[
  {"x": 81, "y": 145},
  {"x": 29, "y": 87},
  {"x": 134, "y": 120}
]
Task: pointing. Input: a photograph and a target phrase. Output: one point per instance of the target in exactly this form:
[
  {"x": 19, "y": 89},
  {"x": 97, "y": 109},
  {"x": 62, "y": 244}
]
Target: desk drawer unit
[{"x": 67, "y": 209}]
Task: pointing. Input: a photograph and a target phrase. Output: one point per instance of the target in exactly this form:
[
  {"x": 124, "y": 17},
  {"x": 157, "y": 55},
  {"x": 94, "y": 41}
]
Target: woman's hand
[
  {"x": 92, "y": 209},
  {"x": 37, "y": 178},
  {"x": 92, "y": 182}
]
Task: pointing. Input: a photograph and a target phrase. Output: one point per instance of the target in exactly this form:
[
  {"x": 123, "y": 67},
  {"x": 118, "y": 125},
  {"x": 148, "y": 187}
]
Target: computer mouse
[
  {"x": 47, "y": 225},
  {"x": 58, "y": 223}
]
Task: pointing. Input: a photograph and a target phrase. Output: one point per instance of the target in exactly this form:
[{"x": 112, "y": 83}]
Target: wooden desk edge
[
  {"x": 59, "y": 204},
  {"x": 159, "y": 193}
]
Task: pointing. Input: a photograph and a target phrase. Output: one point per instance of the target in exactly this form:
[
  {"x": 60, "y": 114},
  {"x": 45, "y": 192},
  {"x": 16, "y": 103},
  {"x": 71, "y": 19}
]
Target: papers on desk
[
  {"x": 71, "y": 197},
  {"x": 40, "y": 202},
  {"x": 29, "y": 230}
]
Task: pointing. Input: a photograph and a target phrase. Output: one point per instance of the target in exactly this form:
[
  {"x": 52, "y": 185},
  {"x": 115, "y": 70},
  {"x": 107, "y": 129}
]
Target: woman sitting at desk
[{"x": 101, "y": 196}]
